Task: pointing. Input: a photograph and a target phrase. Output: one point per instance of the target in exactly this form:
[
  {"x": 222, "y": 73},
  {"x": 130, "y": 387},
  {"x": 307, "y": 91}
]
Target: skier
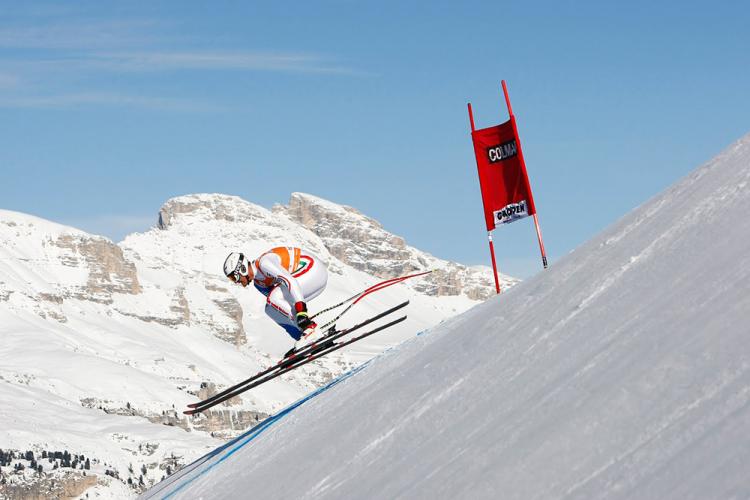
[{"x": 289, "y": 277}]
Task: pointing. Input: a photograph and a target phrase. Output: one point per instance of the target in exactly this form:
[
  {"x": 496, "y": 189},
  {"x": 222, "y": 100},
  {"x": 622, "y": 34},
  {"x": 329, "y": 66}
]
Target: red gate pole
[
  {"x": 494, "y": 265},
  {"x": 489, "y": 233},
  {"x": 526, "y": 175}
]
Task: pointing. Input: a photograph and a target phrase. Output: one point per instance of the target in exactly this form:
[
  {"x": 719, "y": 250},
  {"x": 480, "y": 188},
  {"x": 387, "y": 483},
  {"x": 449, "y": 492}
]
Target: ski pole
[{"x": 373, "y": 288}]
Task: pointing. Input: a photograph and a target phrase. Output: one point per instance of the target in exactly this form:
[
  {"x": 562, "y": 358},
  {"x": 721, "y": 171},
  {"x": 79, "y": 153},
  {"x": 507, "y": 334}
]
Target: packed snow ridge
[
  {"x": 104, "y": 344},
  {"x": 622, "y": 372}
]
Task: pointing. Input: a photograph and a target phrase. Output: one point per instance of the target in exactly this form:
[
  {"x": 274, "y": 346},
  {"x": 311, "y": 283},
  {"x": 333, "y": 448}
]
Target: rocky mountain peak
[
  {"x": 208, "y": 207},
  {"x": 364, "y": 244},
  {"x": 352, "y": 237}
]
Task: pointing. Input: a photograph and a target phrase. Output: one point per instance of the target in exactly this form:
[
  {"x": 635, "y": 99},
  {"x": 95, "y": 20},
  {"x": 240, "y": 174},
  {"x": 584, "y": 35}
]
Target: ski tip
[
  {"x": 190, "y": 412},
  {"x": 192, "y": 405}
]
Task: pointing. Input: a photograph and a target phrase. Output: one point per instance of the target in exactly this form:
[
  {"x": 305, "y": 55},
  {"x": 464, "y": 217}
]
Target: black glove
[{"x": 302, "y": 318}]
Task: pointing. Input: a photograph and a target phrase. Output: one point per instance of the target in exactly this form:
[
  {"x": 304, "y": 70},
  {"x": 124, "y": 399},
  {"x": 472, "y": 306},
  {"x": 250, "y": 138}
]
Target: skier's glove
[{"x": 302, "y": 318}]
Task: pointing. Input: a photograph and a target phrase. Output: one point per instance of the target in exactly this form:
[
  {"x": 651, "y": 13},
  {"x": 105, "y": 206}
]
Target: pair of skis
[{"x": 326, "y": 345}]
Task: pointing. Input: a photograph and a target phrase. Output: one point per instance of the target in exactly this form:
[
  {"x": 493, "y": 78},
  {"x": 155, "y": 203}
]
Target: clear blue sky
[{"x": 109, "y": 109}]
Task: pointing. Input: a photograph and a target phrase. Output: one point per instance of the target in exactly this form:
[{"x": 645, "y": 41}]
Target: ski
[
  {"x": 294, "y": 360},
  {"x": 333, "y": 334},
  {"x": 306, "y": 359}
]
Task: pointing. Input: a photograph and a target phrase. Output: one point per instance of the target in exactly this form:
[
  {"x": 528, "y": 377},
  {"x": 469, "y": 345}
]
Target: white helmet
[{"x": 235, "y": 266}]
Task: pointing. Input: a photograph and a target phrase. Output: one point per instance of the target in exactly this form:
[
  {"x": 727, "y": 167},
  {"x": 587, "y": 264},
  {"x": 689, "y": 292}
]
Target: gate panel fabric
[{"x": 506, "y": 193}]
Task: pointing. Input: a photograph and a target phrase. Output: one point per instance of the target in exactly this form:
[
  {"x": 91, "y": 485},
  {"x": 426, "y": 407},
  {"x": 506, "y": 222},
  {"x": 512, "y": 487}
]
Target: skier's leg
[
  {"x": 313, "y": 278},
  {"x": 279, "y": 309}
]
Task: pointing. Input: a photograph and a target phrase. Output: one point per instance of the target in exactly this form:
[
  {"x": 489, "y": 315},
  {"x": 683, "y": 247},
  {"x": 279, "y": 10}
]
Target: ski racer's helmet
[{"x": 235, "y": 266}]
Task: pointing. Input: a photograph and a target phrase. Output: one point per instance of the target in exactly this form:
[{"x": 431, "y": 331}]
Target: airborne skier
[{"x": 289, "y": 277}]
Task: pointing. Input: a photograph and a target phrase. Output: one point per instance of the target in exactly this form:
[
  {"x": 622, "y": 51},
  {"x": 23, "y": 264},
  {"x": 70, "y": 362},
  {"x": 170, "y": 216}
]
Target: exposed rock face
[
  {"x": 209, "y": 207},
  {"x": 62, "y": 264},
  {"x": 477, "y": 283},
  {"x": 224, "y": 423},
  {"x": 234, "y": 334},
  {"x": 186, "y": 205},
  {"x": 353, "y": 237},
  {"x": 62, "y": 486},
  {"x": 109, "y": 271},
  {"x": 362, "y": 243}
]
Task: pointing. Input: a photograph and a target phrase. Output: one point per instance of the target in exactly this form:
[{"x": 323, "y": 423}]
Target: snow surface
[{"x": 622, "y": 372}]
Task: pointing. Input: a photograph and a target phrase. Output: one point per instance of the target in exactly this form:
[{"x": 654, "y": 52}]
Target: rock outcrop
[{"x": 109, "y": 271}]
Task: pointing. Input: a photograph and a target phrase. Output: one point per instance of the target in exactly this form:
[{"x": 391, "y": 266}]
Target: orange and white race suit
[{"x": 287, "y": 275}]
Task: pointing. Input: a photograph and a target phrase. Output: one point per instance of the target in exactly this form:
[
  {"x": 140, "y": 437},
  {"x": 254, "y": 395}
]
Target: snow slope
[{"x": 623, "y": 372}]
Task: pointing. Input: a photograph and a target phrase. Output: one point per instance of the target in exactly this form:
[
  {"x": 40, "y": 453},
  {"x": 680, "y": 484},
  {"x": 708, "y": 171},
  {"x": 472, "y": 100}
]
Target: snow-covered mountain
[
  {"x": 622, "y": 372},
  {"x": 104, "y": 344}
]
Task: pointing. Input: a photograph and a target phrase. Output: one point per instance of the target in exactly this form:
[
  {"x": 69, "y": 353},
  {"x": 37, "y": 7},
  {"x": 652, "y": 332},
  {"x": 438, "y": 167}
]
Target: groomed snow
[{"x": 623, "y": 372}]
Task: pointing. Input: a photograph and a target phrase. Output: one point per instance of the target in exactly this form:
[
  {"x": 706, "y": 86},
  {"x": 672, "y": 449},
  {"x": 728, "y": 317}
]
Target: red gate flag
[{"x": 506, "y": 193}]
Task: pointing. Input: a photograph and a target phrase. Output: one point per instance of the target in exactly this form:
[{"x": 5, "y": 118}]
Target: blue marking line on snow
[{"x": 233, "y": 446}]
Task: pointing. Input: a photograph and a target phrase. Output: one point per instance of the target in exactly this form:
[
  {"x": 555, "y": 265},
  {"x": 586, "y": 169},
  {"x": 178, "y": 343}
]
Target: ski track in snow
[{"x": 657, "y": 431}]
